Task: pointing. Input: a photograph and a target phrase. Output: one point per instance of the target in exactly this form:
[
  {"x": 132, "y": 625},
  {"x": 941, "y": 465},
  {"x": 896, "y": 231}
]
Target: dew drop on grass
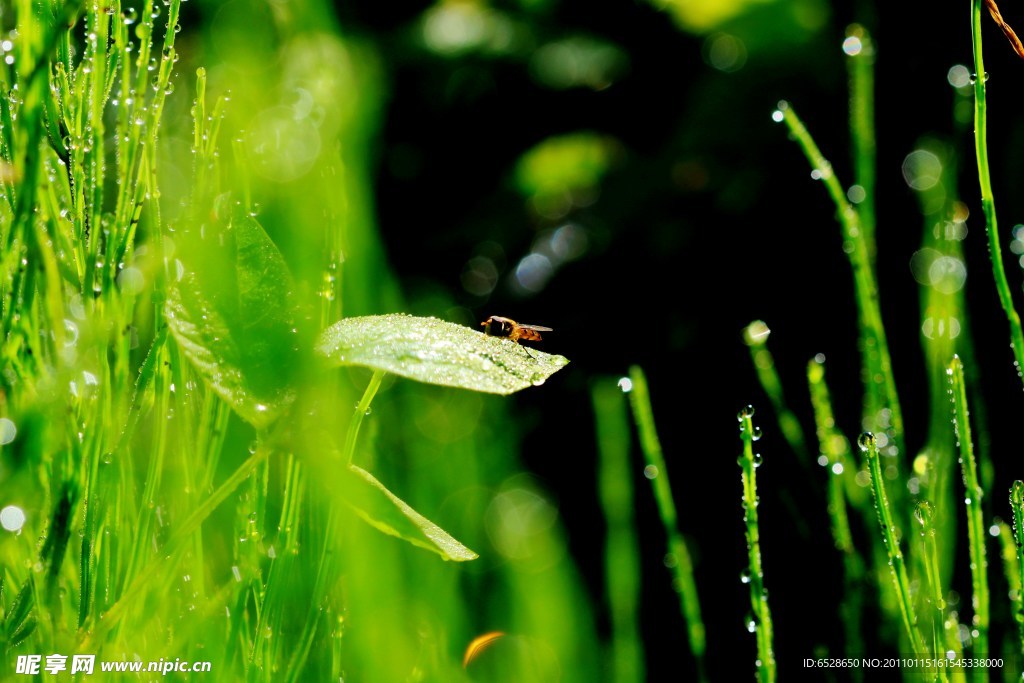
[
  {"x": 866, "y": 441},
  {"x": 745, "y": 576},
  {"x": 626, "y": 384},
  {"x": 651, "y": 471},
  {"x": 745, "y": 413}
]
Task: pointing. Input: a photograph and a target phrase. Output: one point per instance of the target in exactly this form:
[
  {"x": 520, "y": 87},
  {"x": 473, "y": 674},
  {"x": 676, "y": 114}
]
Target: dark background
[{"x": 708, "y": 220}]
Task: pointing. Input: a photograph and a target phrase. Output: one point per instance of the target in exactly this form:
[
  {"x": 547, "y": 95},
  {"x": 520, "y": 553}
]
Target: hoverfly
[{"x": 496, "y": 326}]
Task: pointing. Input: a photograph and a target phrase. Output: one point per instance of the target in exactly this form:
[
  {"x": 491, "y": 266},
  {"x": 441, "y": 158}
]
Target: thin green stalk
[
  {"x": 988, "y": 204},
  {"x": 91, "y": 639},
  {"x": 760, "y": 621},
  {"x": 1012, "y": 569},
  {"x": 679, "y": 562},
  {"x": 325, "y": 572},
  {"x": 975, "y": 522},
  {"x": 836, "y": 449},
  {"x": 142, "y": 542},
  {"x": 943, "y": 638},
  {"x": 621, "y": 551},
  {"x": 755, "y": 335},
  {"x": 362, "y": 409},
  {"x": 880, "y": 384},
  {"x": 897, "y": 564},
  {"x": 1017, "y": 506},
  {"x": 861, "y": 69}
]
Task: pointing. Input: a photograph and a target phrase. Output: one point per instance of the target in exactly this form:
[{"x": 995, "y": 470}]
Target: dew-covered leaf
[
  {"x": 437, "y": 352},
  {"x": 230, "y": 311},
  {"x": 388, "y": 513}
]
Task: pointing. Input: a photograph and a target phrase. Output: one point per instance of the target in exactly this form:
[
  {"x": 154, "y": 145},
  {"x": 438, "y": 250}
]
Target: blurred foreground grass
[{"x": 174, "y": 458}]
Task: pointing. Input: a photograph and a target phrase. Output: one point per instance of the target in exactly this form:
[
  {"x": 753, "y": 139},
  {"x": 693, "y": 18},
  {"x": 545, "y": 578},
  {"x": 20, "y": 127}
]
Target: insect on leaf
[{"x": 437, "y": 352}]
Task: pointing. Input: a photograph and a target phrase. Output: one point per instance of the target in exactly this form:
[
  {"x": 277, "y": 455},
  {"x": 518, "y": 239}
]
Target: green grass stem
[
  {"x": 678, "y": 559},
  {"x": 988, "y": 203},
  {"x": 174, "y": 545},
  {"x": 861, "y": 73},
  {"x": 621, "y": 550},
  {"x": 755, "y": 335},
  {"x": 841, "y": 471},
  {"x": 1012, "y": 571},
  {"x": 760, "y": 621},
  {"x": 976, "y": 530},
  {"x": 897, "y": 565},
  {"x": 1017, "y": 506},
  {"x": 944, "y": 633},
  {"x": 326, "y": 571},
  {"x": 880, "y": 384}
]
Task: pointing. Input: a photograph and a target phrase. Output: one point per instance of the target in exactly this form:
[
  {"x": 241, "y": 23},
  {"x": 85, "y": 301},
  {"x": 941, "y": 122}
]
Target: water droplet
[
  {"x": 866, "y": 441},
  {"x": 626, "y": 384},
  {"x": 745, "y": 413}
]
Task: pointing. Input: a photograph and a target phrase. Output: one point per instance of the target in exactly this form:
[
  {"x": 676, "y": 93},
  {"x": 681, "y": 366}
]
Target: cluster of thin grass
[
  {"x": 927, "y": 483},
  {"x": 167, "y": 526},
  {"x": 913, "y": 578}
]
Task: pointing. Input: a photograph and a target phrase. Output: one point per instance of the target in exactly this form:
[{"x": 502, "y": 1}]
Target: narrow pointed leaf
[
  {"x": 437, "y": 352},
  {"x": 385, "y": 511}
]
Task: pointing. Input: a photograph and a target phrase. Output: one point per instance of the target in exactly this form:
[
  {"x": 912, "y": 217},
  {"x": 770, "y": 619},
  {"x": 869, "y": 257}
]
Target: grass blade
[
  {"x": 836, "y": 449},
  {"x": 1017, "y": 506},
  {"x": 622, "y": 550},
  {"x": 679, "y": 562},
  {"x": 760, "y": 621},
  {"x": 897, "y": 565},
  {"x": 755, "y": 335},
  {"x": 975, "y": 522},
  {"x": 988, "y": 203},
  {"x": 880, "y": 385}
]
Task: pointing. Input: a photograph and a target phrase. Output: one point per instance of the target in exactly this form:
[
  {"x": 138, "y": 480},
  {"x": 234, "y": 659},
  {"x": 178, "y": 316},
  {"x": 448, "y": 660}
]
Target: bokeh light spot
[
  {"x": 12, "y": 518},
  {"x": 922, "y": 170}
]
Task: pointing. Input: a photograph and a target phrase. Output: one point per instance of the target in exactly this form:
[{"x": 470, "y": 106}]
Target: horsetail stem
[
  {"x": 890, "y": 540},
  {"x": 760, "y": 622},
  {"x": 975, "y": 522},
  {"x": 680, "y": 563}
]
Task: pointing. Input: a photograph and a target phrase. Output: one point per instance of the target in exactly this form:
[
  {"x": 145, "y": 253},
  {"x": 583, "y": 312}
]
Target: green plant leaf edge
[{"x": 386, "y": 512}]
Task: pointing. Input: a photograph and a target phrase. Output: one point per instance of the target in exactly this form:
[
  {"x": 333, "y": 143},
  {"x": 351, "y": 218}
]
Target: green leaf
[
  {"x": 385, "y": 511},
  {"x": 18, "y": 617},
  {"x": 231, "y": 313},
  {"x": 437, "y": 352}
]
